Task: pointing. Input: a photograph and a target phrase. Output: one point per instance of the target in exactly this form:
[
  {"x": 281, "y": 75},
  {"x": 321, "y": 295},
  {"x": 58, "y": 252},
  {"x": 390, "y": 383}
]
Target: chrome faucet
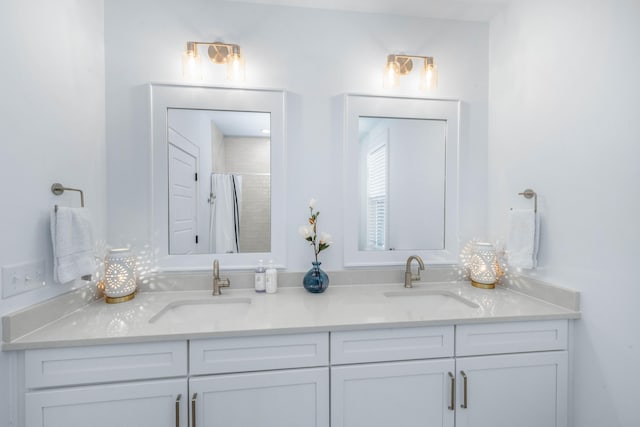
[
  {"x": 408, "y": 277},
  {"x": 217, "y": 281}
]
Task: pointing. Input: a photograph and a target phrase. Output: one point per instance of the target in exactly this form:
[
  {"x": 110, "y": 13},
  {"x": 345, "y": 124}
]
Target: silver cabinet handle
[
  {"x": 178, "y": 410},
  {"x": 453, "y": 392},
  {"x": 193, "y": 409},
  {"x": 464, "y": 394}
]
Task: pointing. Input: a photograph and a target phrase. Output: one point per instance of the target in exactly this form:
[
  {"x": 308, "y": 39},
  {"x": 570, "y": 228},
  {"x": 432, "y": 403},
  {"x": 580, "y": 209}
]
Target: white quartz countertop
[{"x": 179, "y": 315}]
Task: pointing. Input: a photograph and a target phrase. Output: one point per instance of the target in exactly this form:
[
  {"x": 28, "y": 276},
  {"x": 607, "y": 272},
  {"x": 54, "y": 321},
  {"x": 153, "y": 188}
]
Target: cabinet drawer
[
  {"x": 511, "y": 337},
  {"x": 381, "y": 345},
  {"x": 104, "y": 363},
  {"x": 258, "y": 353}
]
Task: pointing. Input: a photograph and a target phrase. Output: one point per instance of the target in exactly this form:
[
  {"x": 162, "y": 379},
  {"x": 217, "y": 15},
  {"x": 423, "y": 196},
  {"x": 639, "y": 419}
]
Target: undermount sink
[
  {"x": 203, "y": 309},
  {"x": 428, "y": 298}
]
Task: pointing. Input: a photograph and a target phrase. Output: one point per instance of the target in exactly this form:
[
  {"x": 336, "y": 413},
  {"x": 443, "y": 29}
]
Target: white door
[
  {"x": 407, "y": 394},
  {"x": 295, "y": 398},
  {"x": 138, "y": 404},
  {"x": 523, "y": 390},
  {"x": 183, "y": 201}
]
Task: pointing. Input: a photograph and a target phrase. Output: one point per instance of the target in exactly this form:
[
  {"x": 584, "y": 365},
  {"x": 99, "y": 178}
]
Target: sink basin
[
  {"x": 202, "y": 310},
  {"x": 429, "y": 298}
]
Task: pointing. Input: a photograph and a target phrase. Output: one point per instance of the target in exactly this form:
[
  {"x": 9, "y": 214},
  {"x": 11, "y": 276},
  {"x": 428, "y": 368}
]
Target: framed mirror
[
  {"x": 401, "y": 180},
  {"x": 218, "y": 176}
]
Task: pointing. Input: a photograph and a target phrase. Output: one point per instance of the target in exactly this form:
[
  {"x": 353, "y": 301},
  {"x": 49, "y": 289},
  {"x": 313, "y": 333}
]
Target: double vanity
[
  {"x": 365, "y": 353},
  {"x": 438, "y": 354}
]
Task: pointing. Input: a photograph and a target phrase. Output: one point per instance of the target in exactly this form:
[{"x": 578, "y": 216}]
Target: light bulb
[
  {"x": 191, "y": 63},
  {"x": 235, "y": 65},
  {"x": 429, "y": 75},
  {"x": 390, "y": 77}
]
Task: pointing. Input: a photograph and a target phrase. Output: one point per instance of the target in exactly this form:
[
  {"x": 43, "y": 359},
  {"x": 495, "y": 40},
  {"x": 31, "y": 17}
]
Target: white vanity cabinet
[
  {"x": 500, "y": 374},
  {"x": 288, "y": 397},
  {"x": 524, "y": 390},
  {"x": 384, "y": 377},
  {"x": 140, "y": 404},
  {"x": 476, "y": 375},
  {"x": 412, "y": 393},
  {"x": 85, "y": 386},
  {"x": 241, "y": 381},
  {"x": 266, "y": 381},
  {"x": 512, "y": 374}
]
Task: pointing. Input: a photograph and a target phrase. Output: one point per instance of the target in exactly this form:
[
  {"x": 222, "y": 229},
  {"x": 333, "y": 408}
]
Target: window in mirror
[
  {"x": 375, "y": 206},
  {"x": 401, "y": 180},
  {"x": 403, "y": 183}
]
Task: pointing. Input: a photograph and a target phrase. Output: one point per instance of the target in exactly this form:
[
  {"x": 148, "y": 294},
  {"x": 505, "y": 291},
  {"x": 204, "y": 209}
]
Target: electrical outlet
[{"x": 24, "y": 277}]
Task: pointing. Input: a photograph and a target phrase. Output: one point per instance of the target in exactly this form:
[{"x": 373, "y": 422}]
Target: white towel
[
  {"x": 73, "y": 248},
  {"x": 522, "y": 243}
]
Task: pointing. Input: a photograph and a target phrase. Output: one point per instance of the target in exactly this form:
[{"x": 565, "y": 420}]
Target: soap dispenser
[
  {"x": 260, "y": 277},
  {"x": 272, "y": 279}
]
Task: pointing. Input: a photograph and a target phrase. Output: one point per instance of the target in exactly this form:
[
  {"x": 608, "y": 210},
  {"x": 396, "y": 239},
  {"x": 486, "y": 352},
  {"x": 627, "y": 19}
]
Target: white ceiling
[
  {"x": 240, "y": 123},
  {"x": 465, "y": 10}
]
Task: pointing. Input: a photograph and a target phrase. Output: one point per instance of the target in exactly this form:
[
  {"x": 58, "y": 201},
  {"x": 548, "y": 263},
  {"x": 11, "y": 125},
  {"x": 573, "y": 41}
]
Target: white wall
[
  {"x": 564, "y": 108},
  {"x": 417, "y": 153},
  {"x": 53, "y": 130},
  {"x": 315, "y": 55}
]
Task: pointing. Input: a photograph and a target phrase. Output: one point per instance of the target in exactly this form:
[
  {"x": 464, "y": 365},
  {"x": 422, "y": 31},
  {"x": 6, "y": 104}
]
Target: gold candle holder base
[
  {"x": 483, "y": 285},
  {"x": 116, "y": 300}
]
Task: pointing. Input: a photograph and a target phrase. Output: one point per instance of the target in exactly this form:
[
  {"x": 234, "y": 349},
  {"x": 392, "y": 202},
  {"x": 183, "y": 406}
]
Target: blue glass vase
[{"x": 316, "y": 281}]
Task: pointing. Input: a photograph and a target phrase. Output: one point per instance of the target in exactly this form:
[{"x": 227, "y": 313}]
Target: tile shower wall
[{"x": 250, "y": 157}]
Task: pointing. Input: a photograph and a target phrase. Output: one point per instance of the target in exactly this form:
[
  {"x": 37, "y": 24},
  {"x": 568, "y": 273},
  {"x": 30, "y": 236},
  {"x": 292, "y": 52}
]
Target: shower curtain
[{"x": 224, "y": 223}]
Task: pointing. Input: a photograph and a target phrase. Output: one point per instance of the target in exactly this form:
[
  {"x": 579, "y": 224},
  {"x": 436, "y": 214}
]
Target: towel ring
[
  {"x": 528, "y": 194},
  {"x": 58, "y": 189}
]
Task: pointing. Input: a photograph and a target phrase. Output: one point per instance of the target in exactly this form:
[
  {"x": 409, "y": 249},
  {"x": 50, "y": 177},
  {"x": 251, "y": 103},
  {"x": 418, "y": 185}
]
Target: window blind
[{"x": 377, "y": 197}]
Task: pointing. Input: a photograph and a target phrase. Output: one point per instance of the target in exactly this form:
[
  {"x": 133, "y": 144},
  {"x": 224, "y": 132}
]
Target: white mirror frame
[
  {"x": 356, "y": 106},
  {"x": 165, "y": 96}
]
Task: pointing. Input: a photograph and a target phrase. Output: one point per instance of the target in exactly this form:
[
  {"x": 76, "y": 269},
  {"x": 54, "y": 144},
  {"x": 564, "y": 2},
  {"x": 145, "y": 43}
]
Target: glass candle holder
[
  {"x": 119, "y": 276},
  {"x": 483, "y": 267}
]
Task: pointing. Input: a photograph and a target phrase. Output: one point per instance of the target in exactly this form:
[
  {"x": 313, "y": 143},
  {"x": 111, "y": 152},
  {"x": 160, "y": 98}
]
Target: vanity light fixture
[
  {"x": 401, "y": 65},
  {"x": 219, "y": 53}
]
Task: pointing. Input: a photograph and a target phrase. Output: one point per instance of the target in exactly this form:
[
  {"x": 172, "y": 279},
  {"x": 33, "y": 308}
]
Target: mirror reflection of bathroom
[
  {"x": 219, "y": 181},
  {"x": 402, "y": 183}
]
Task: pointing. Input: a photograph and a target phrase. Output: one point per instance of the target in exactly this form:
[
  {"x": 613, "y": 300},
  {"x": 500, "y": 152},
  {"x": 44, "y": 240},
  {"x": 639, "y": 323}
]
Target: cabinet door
[
  {"x": 139, "y": 404},
  {"x": 524, "y": 390},
  {"x": 407, "y": 394},
  {"x": 296, "y": 397}
]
